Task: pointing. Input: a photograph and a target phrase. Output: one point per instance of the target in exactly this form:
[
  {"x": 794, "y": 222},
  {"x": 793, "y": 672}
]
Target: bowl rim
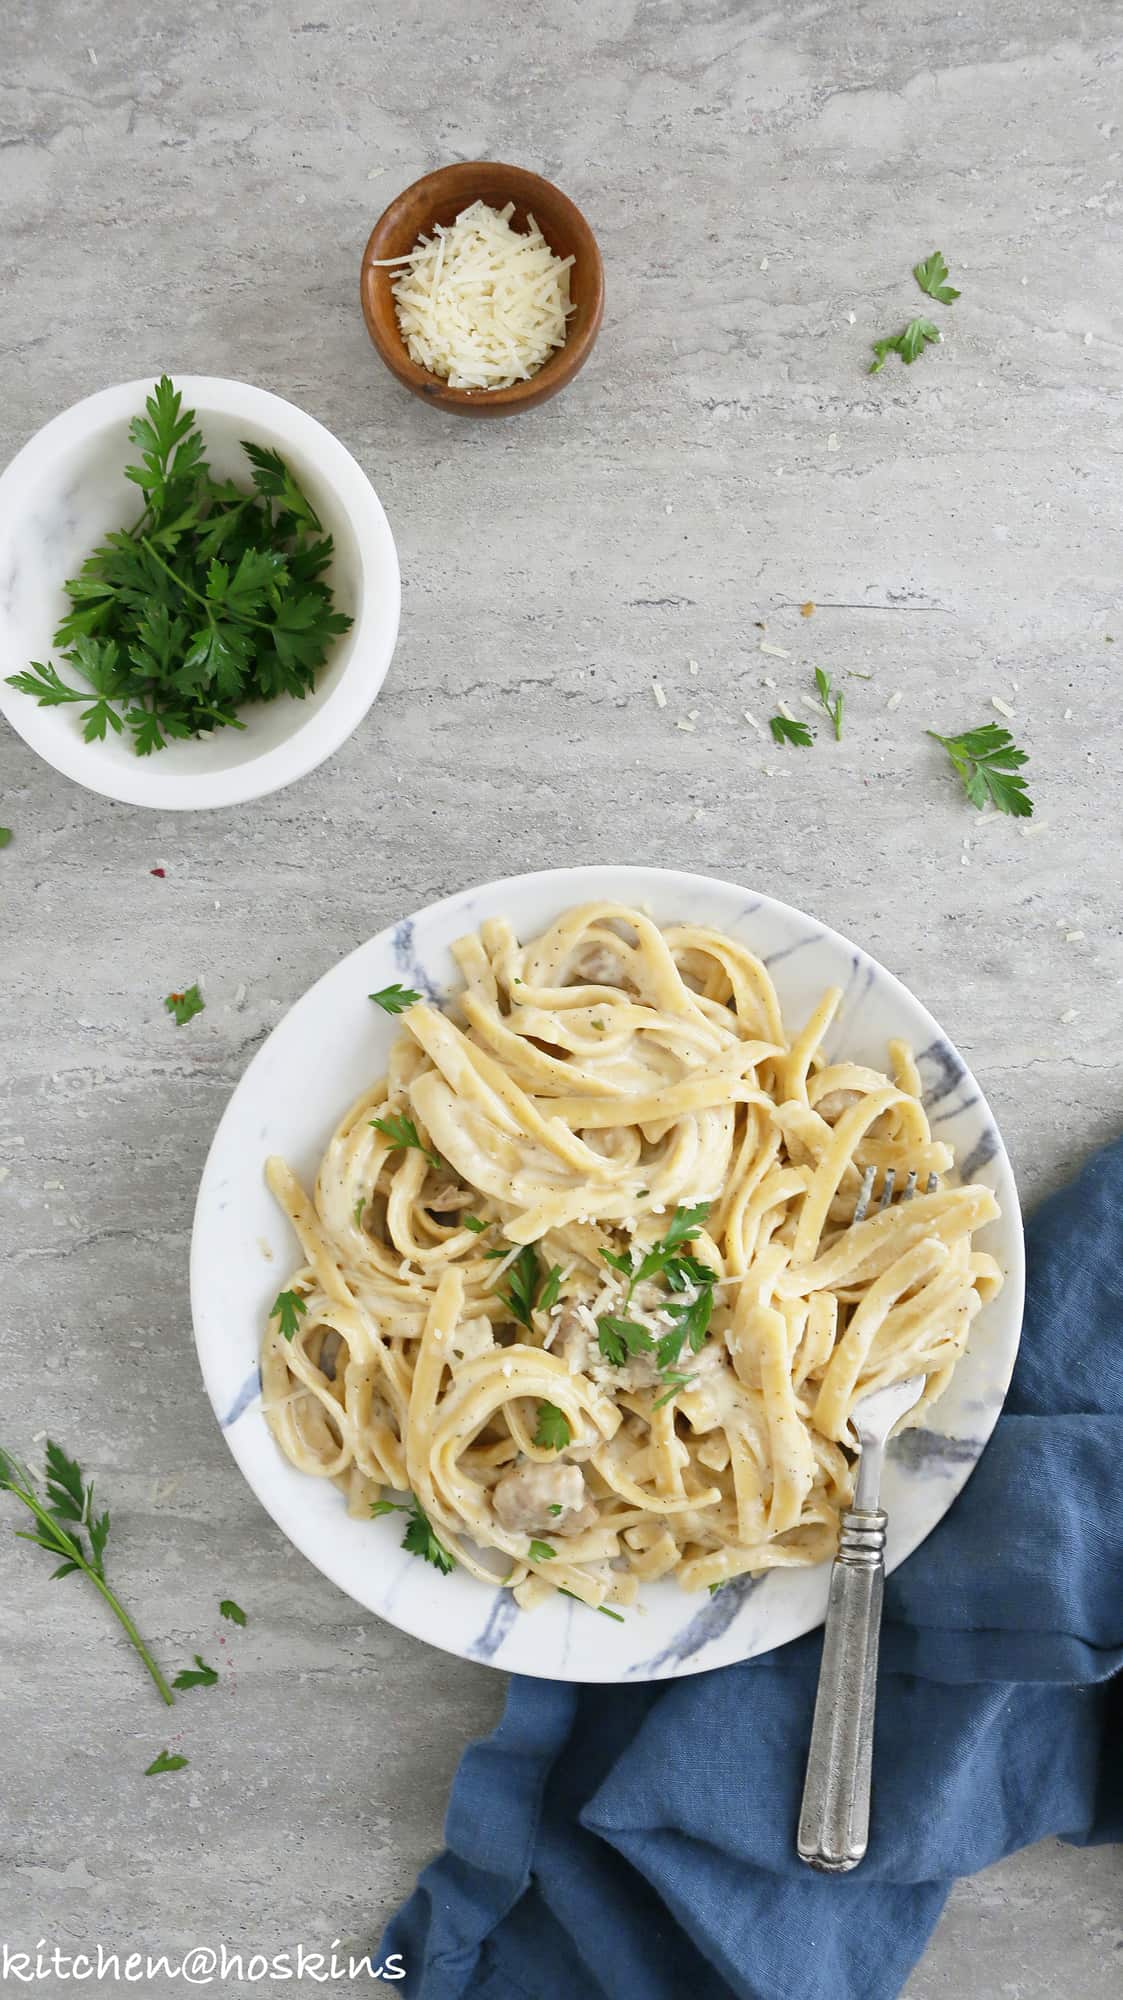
[
  {"x": 561, "y": 367},
  {"x": 315, "y": 734},
  {"x": 416, "y": 1609}
]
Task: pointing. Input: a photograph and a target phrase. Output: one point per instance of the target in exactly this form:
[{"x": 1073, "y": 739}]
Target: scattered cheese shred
[
  {"x": 480, "y": 304},
  {"x": 684, "y": 722},
  {"x": 1003, "y": 707},
  {"x": 660, "y": 697},
  {"x": 894, "y": 700},
  {"x": 752, "y": 722},
  {"x": 774, "y": 652}
]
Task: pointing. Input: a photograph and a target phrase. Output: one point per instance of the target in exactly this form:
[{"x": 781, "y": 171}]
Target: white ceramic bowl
[
  {"x": 66, "y": 489},
  {"x": 333, "y": 1044}
]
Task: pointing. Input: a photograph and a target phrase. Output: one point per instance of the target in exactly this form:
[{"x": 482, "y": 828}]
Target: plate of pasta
[{"x": 547, "y": 1243}]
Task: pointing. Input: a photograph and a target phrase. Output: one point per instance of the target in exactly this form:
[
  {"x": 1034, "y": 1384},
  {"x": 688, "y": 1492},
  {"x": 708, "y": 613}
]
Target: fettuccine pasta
[{"x": 581, "y": 1275}]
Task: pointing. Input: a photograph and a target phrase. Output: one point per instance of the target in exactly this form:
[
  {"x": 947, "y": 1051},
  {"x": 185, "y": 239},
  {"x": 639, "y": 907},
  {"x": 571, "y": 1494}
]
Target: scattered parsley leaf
[
  {"x": 185, "y": 1005},
  {"x": 677, "y": 1382},
  {"x": 420, "y": 1540},
  {"x": 715, "y": 1587},
  {"x": 288, "y": 1308},
  {"x": 491, "y": 1255},
  {"x": 165, "y": 1762},
  {"x": 831, "y": 702},
  {"x": 228, "y": 1609},
  {"x": 602, "y": 1608},
  {"x": 552, "y": 1432},
  {"x": 786, "y": 730},
  {"x": 684, "y": 1226},
  {"x": 619, "y": 1260},
  {"x": 908, "y": 344},
  {"x": 541, "y": 1552},
  {"x": 551, "y": 1288},
  {"x": 522, "y": 1278},
  {"x": 419, "y": 1537},
  {"x": 618, "y": 1338},
  {"x": 198, "y": 1676},
  {"x": 357, "y": 1211},
  {"x": 394, "y": 999},
  {"x": 473, "y": 1223},
  {"x": 985, "y": 759},
  {"x": 556, "y": 1507},
  {"x": 5, "y": 836},
  {"x": 63, "y": 1522},
  {"x": 402, "y": 1133},
  {"x": 932, "y": 277}
]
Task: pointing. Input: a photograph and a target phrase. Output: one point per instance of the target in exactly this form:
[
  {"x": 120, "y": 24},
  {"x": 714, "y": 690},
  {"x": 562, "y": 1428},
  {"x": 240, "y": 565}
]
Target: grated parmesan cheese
[
  {"x": 480, "y": 304},
  {"x": 660, "y": 697},
  {"x": 1003, "y": 707}
]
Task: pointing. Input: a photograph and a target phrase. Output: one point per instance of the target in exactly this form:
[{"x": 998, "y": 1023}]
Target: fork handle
[{"x": 835, "y": 1816}]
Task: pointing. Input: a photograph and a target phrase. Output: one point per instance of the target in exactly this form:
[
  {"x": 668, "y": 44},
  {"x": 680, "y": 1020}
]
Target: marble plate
[{"x": 332, "y": 1043}]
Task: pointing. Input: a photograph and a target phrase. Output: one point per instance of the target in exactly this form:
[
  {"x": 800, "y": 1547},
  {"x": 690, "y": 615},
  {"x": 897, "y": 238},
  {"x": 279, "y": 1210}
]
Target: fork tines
[{"x": 865, "y": 1192}]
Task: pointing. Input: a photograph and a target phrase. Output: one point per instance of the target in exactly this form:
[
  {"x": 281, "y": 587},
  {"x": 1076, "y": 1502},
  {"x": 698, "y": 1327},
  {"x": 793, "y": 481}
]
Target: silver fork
[{"x": 835, "y": 1815}]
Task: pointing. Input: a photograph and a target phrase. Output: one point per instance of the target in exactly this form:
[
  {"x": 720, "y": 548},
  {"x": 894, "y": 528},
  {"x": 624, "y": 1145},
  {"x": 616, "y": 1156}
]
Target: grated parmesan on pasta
[{"x": 480, "y": 304}]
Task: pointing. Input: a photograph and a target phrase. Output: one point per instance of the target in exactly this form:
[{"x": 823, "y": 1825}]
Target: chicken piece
[
  {"x": 447, "y": 1199},
  {"x": 524, "y": 1497}
]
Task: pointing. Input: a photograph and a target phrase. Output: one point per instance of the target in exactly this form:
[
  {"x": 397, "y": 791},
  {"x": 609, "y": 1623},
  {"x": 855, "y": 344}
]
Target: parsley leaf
[
  {"x": 402, "y": 1133},
  {"x": 288, "y": 1308},
  {"x": 357, "y": 1211},
  {"x": 832, "y": 703},
  {"x": 551, "y": 1288},
  {"x": 394, "y": 999},
  {"x": 198, "y": 1676},
  {"x": 165, "y": 1762},
  {"x": 5, "y": 836},
  {"x": 185, "y": 1005},
  {"x": 420, "y": 1540},
  {"x": 552, "y": 1432},
  {"x": 618, "y": 1338},
  {"x": 619, "y": 1260},
  {"x": 522, "y": 1277},
  {"x": 556, "y": 1507},
  {"x": 985, "y": 759},
  {"x": 932, "y": 276},
  {"x": 541, "y": 1552},
  {"x": 228, "y": 1609},
  {"x": 602, "y": 1608},
  {"x": 677, "y": 1382},
  {"x": 473, "y": 1223},
  {"x": 786, "y": 730},
  {"x": 684, "y": 1226},
  {"x": 419, "y": 1537},
  {"x": 908, "y": 344},
  {"x": 65, "y": 1525}
]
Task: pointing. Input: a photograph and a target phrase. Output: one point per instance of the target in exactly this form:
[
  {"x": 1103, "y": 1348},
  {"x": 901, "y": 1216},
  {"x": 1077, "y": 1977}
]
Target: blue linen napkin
[{"x": 638, "y": 1843}]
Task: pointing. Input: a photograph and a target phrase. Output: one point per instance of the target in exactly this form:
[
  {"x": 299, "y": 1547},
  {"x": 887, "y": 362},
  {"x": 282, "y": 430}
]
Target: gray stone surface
[{"x": 190, "y": 188}]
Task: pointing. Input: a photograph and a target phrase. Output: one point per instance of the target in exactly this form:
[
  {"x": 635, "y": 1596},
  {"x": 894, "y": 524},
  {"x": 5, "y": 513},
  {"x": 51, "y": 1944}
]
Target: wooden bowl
[{"x": 439, "y": 198}]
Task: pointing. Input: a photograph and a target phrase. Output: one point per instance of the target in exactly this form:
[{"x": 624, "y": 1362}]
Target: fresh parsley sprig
[
  {"x": 228, "y": 1609},
  {"x": 67, "y": 1526},
  {"x": 402, "y": 1134},
  {"x": 618, "y": 1338},
  {"x": 986, "y": 760},
  {"x": 831, "y": 702},
  {"x": 214, "y": 598},
  {"x": 419, "y": 1538},
  {"x": 394, "y": 999}
]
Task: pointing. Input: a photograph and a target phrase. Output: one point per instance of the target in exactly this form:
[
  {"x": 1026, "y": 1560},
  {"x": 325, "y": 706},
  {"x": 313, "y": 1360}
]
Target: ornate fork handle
[{"x": 835, "y": 1815}]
